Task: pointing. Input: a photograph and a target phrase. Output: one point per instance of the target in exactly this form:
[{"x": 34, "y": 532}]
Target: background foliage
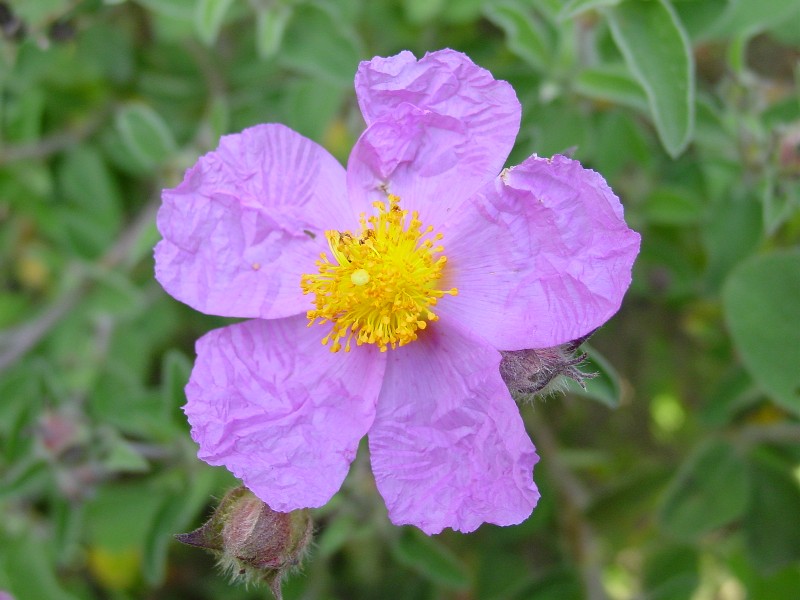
[{"x": 676, "y": 476}]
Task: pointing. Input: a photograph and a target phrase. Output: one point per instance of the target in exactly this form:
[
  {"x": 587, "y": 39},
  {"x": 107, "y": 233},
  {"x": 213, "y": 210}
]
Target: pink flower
[{"x": 396, "y": 331}]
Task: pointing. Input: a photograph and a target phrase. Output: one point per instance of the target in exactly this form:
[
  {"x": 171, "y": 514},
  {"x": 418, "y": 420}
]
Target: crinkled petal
[
  {"x": 284, "y": 414},
  {"x": 540, "y": 257},
  {"x": 430, "y": 161},
  {"x": 448, "y": 83},
  {"x": 448, "y": 446},
  {"x": 247, "y": 221}
]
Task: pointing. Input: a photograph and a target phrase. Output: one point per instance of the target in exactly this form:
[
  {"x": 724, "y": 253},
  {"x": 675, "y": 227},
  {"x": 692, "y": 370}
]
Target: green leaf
[
  {"x": 731, "y": 234},
  {"x": 461, "y": 11},
  {"x": 657, "y": 51},
  {"x": 576, "y": 7},
  {"x": 133, "y": 412},
  {"x": 779, "y": 585},
  {"x": 760, "y": 299},
  {"x": 619, "y": 506},
  {"x": 422, "y": 11},
  {"x": 145, "y": 134},
  {"x": 175, "y": 515},
  {"x": 321, "y": 45},
  {"x": 68, "y": 521},
  {"x": 747, "y": 18},
  {"x": 28, "y": 477},
  {"x": 671, "y": 573},
  {"x": 611, "y": 83},
  {"x": 80, "y": 234},
  {"x": 698, "y": 17},
  {"x": 620, "y": 140},
  {"x": 787, "y": 31},
  {"x": 13, "y": 308},
  {"x": 86, "y": 182},
  {"x": 780, "y": 201},
  {"x": 732, "y": 394},
  {"x": 208, "y": 18},
  {"x": 119, "y": 515},
  {"x": 604, "y": 387},
  {"x": 28, "y": 565},
  {"x": 430, "y": 558},
  {"x": 22, "y": 392},
  {"x": 175, "y": 370},
  {"x": 559, "y": 583},
  {"x": 311, "y": 105},
  {"x": 109, "y": 52},
  {"x": 337, "y": 532},
  {"x": 121, "y": 457},
  {"x": 557, "y": 128},
  {"x": 772, "y": 520},
  {"x": 218, "y": 118},
  {"x": 176, "y": 9},
  {"x": 34, "y": 12},
  {"x": 115, "y": 295},
  {"x": 120, "y": 156},
  {"x": 710, "y": 490},
  {"x": 23, "y": 116},
  {"x": 148, "y": 236},
  {"x": 525, "y": 35},
  {"x": 673, "y": 206},
  {"x": 271, "y": 24}
]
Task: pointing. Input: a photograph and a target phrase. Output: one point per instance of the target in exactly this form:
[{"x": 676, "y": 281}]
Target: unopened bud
[
  {"x": 789, "y": 151},
  {"x": 543, "y": 370},
  {"x": 60, "y": 431},
  {"x": 252, "y": 541}
]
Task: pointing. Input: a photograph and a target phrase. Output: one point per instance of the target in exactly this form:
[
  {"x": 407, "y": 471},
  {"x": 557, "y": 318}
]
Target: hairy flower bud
[
  {"x": 251, "y": 540},
  {"x": 543, "y": 370},
  {"x": 789, "y": 151}
]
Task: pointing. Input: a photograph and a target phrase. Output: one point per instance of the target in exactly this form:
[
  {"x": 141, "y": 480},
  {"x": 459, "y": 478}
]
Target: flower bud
[
  {"x": 252, "y": 541},
  {"x": 543, "y": 370},
  {"x": 789, "y": 151}
]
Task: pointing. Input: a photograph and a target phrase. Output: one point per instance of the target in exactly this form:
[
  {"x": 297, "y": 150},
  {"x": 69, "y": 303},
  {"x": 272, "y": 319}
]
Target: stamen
[{"x": 381, "y": 283}]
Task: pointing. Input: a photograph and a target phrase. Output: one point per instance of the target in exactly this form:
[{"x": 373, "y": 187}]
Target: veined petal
[
  {"x": 540, "y": 257},
  {"x": 280, "y": 411},
  {"x": 247, "y": 221},
  {"x": 431, "y": 161},
  {"x": 448, "y": 445},
  {"x": 448, "y": 83}
]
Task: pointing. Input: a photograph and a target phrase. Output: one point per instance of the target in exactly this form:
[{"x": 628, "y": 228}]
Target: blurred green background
[{"x": 676, "y": 475}]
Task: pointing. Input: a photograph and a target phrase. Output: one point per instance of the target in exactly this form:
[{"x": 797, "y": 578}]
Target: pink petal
[
  {"x": 247, "y": 222},
  {"x": 284, "y": 414},
  {"x": 448, "y": 445},
  {"x": 540, "y": 257},
  {"x": 430, "y": 161},
  {"x": 445, "y": 82}
]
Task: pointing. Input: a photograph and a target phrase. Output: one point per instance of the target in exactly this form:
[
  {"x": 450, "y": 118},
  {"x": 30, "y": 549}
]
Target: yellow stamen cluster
[{"x": 381, "y": 284}]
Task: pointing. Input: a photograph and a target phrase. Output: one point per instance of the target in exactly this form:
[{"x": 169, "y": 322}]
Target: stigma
[{"x": 380, "y": 285}]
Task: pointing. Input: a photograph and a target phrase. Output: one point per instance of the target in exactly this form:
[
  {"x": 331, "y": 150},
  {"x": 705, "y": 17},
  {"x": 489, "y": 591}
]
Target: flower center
[{"x": 381, "y": 284}]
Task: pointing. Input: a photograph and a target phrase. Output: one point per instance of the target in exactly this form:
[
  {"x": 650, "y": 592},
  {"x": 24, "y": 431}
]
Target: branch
[
  {"x": 56, "y": 142},
  {"x": 17, "y": 341},
  {"x": 773, "y": 433},
  {"x": 575, "y": 498}
]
